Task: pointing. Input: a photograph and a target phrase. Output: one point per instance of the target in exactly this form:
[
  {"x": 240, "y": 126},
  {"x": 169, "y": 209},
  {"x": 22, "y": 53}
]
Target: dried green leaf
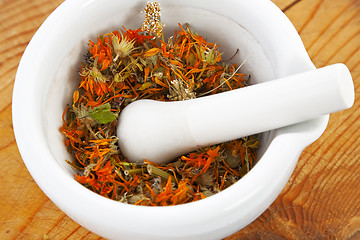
[{"x": 103, "y": 114}]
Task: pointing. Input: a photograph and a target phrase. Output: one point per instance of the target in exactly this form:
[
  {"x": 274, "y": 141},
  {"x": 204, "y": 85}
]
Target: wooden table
[{"x": 322, "y": 197}]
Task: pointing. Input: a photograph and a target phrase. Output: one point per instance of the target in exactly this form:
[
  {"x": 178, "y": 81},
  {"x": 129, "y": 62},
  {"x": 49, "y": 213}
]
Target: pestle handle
[{"x": 160, "y": 131}]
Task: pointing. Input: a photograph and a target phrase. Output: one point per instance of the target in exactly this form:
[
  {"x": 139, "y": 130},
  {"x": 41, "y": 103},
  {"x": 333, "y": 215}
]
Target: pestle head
[{"x": 155, "y": 131}]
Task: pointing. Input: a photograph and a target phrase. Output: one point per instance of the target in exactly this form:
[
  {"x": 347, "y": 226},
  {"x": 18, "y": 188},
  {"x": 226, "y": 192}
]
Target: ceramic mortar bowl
[{"x": 47, "y": 76}]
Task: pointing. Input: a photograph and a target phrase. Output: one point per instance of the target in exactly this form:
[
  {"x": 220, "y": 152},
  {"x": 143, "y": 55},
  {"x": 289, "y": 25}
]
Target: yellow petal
[{"x": 75, "y": 97}]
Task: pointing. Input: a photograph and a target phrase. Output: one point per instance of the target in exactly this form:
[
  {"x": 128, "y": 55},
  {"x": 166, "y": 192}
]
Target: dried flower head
[
  {"x": 152, "y": 23},
  {"x": 209, "y": 55},
  {"x": 122, "y": 46},
  {"x": 96, "y": 74}
]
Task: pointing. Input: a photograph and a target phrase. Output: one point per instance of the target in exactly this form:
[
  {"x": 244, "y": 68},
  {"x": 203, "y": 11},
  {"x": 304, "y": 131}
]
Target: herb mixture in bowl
[{"x": 128, "y": 65}]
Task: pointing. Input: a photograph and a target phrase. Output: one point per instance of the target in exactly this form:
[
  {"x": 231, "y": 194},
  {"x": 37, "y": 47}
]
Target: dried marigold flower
[{"x": 122, "y": 46}]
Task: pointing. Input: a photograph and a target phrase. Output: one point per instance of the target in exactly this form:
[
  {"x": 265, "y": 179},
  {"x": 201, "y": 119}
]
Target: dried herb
[
  {"x": 103, "y": 114},
  {"x": 124, "y": 66}
]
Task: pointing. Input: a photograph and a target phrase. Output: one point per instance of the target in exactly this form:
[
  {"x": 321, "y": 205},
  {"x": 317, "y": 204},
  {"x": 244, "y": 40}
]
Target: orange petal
[
  {"x": 146, "y": 72},
  {"x": 76, "y": 96},
  {"x": 151, "y": 52},
  {"x": 105, "y": 64},
  {"x": 160, "y": 82}
]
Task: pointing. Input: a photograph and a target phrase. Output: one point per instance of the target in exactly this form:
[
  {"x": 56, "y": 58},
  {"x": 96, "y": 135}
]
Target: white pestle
[{"x": 161, "y": 131}]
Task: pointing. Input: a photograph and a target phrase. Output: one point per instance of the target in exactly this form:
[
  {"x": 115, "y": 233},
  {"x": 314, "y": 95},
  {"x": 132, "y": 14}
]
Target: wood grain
[{"x": 322, "y": 197}]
